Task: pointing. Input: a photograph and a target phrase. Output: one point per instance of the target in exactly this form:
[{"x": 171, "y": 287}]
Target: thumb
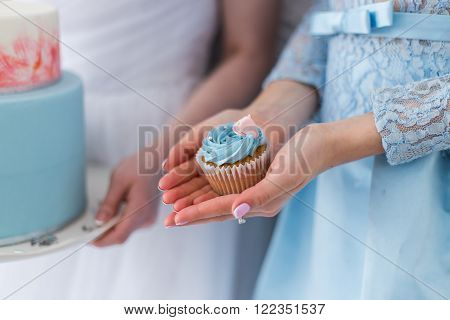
[
  {"x": 113, "y": 199},
  {"x": 265, "y": 191},
  {"x": 180, "y": 153},
  {"x": 184, "y": 149}
]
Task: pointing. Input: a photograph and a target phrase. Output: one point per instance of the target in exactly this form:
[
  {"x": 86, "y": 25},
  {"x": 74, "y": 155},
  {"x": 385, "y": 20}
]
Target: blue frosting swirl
[{"x": 223, "y": 145}]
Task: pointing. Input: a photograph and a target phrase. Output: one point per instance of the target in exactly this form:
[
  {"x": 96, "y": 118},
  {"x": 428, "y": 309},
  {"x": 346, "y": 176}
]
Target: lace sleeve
[
  {"x": 413, "y": 120},
  {"x": 304, "y": 58}
]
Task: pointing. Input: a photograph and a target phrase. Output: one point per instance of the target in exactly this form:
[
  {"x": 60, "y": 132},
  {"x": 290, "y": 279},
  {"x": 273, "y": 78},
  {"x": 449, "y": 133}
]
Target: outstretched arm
[
  {"x": 249, "y": 50},
  {"x": 312, "y": 150},
  {"x": 249, "y": 29},
  {"x": 408, "y": 122}
]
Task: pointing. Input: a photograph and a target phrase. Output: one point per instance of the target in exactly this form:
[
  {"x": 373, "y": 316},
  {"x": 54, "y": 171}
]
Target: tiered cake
[{"x": 42, "y": 161}]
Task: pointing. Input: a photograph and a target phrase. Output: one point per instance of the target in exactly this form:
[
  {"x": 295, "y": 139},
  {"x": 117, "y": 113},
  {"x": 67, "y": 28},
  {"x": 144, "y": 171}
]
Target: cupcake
[{"x": 234, "y": 157}]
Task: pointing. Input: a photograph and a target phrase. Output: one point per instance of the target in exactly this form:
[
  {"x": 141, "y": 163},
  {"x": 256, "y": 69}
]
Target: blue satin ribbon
[{"x": 380, "y": 20}]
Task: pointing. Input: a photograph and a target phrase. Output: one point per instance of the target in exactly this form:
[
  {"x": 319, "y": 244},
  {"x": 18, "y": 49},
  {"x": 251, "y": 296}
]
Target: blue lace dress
[{"x": 377, "y": 228}]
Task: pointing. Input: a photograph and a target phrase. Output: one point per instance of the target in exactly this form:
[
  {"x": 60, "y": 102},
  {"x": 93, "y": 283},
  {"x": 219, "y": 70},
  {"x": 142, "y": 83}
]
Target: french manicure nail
[
  {"x": 182, "y": 223},
  {"x": 161, "y": 188},
  {"x": 241, "y": 210},
  {"x": 164, "y": 164},
  {"x": 99, "y": 223}
]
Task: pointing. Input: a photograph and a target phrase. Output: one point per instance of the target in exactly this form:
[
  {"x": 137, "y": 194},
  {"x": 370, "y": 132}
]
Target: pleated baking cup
[{"x": 235, "y": 178}]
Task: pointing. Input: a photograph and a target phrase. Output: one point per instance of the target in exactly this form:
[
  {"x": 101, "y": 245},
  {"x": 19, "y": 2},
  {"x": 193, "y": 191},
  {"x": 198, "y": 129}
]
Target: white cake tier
[{"x": 29, "y": 46}]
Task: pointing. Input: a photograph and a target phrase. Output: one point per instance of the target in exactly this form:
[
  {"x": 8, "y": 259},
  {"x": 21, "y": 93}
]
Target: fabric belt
[{"x": 380, "y": 20}]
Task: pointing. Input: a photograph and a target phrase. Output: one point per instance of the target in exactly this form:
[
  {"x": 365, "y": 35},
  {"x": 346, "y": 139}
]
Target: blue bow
[{"x": 360, "y": 20}]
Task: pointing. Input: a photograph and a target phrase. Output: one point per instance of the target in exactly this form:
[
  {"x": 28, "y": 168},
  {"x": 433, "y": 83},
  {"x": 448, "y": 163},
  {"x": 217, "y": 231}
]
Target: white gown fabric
[{"x": 159, "y": 48}]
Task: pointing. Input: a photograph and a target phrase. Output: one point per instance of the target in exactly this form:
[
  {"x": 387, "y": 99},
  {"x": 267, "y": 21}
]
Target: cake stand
[{"x": 79, "y": 232}]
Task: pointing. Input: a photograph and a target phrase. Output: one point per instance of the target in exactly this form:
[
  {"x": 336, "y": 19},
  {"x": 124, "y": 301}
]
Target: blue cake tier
[{"x": 42, "y": 160}]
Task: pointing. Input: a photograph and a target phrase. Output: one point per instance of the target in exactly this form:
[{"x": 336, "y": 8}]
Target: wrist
[
  {"x": 320, "y": 134},
  {"x": 352, "y": 139},
  {"x": 261, "y": 118},
  {"x": 285, "y": 102}
]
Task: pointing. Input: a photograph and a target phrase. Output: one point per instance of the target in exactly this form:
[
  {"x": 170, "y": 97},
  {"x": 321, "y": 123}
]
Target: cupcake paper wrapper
[{"x": 235, "y": 178}]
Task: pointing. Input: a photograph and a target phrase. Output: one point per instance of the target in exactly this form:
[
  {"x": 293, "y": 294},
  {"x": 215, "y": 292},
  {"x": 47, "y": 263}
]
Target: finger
[
  {"x": 209, "y": 209},
  {"x": 109, "y": 238},
  {"x": 184, "y": 149},
  {"x": 117, "y": 234},
  {"x": 226, "y": 217},
  {"x": 207, "y": 196},
  {"x": 189, "y": 199},
  {"x": 272, "y": 209},
  {"x": 184, "y": 172},
  {"x": 184, "y": 190},
  {"x": 268, "y": 190},
  {"x": 170, "y": 220},
  {"x": 257, "y": 196},
  {"x": 139, "y": 212},
  {"x": 114, "y": 197},
  {"x": 120, "y": 233}
]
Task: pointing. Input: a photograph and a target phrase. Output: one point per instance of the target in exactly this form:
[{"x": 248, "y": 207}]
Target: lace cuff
[
  {"x": 304, "y": 58},
  {"x": 413, "y": 120}
]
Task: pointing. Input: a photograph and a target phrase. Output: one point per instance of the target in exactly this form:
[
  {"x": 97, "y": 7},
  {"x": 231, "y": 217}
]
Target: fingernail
[
  {"x": 99, "y": 223},
  {"x": 241, "y": 210},
  {"x": 181, "y": 223},
  {"x": 168, "y": 227},
  {"x": 100, "y": 218},
  {"x": 164, "y": 165}
]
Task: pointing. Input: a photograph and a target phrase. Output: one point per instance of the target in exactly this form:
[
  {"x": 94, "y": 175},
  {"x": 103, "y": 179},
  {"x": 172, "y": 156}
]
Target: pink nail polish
[{"x": 241, "y": 210}]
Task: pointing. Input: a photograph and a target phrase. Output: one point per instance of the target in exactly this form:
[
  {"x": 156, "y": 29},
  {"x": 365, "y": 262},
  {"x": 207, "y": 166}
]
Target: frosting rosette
[
  {"x": 234, "y": 156},
  {"x": 223, "y": 145}
]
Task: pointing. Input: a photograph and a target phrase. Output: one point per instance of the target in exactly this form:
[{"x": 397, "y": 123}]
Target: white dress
[{"x": 159, "y": 48}]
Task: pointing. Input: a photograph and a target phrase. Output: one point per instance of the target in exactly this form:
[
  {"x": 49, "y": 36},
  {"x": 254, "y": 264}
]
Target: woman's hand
[
  {"x": 139, "y": 194},
  {"x": 278, "y": 109},
  {"x": 311, "y": 151},
  {"x": 188, "y": 145},
  {"x": 305, "y": 155},
  {"x": 185, "y": 183},
  {"x": 184, "y": 178}
]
